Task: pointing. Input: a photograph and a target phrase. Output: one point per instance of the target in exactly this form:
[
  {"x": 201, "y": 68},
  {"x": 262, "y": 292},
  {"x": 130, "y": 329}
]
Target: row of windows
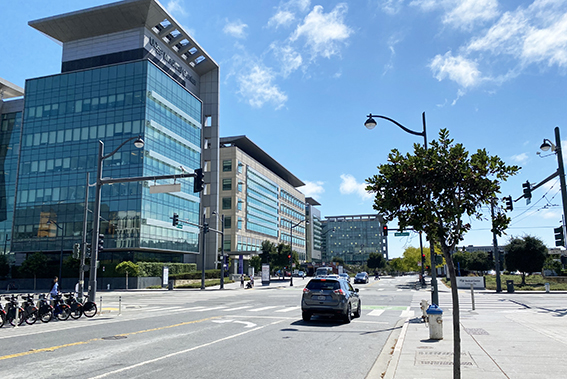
[
  {"x": 291, "y": 212},
  {"x": 296, "y": 240},
  {"x": 260, "y": 180},
  {"x": 259, "y": 228},
  {"x": 292, "y": 199}
]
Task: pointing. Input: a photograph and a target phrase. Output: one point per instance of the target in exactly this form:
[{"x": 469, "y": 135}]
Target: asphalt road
[{"x": 234, "y": 333}]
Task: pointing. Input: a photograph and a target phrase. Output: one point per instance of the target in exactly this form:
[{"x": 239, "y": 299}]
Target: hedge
[
  {"x": 209, "y": 274},
  {"x": 156, "y": 268}
]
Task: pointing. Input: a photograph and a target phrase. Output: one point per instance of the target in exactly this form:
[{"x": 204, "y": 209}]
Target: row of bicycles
[{"x": 61, "y": 307}]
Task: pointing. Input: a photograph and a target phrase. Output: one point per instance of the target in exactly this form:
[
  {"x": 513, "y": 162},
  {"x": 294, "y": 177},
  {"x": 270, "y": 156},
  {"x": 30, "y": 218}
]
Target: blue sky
[{"x": 299, "y": 77}]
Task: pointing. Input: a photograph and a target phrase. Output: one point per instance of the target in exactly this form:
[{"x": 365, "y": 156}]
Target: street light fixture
[
  {"x": 139, "y": 143},
  {"x": 291, "y": 249},
  {"x": 556, "y": 148},
  {"x": 371, "y": 124},
  {"x": 49, "y": 222}
]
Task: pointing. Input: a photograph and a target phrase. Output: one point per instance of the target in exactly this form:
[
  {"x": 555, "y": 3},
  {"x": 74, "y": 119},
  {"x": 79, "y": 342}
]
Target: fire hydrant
[{"x": 435, "y": 316}]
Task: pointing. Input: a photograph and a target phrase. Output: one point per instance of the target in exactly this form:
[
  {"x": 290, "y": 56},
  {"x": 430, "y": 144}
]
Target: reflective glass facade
[
  {"x": 10, "y": 130},
  {"x": 261, "y": 204},
  {"x": 64, "y": 118}
]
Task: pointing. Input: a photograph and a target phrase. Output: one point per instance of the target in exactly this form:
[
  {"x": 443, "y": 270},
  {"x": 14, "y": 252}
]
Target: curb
[{"x": 387, "y": 362}]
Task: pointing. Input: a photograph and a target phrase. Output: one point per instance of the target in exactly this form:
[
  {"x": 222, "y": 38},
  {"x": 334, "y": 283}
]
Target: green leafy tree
[
  {"x": 432, "y": 190},
  {"x": 256, "y": 262},
  {"x": 268, "y": 248},
  {"x": 34, "y": 265},
  {"x": 526, "y": 255},
  {"x": 479, "y": 261},
  {"x": 395, "y": 265},
  {"x": 376, "y": 260},
  {"x": 128, "y": 267},
  {"x": 338, "y": 260}
]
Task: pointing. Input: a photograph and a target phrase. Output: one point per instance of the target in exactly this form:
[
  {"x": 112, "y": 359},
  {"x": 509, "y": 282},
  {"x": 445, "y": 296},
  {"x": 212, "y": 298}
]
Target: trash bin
[
  {"x": 435, "y": 316},
  {"x": 170, "y": 285},
  {"x": 510, "y": 286}
]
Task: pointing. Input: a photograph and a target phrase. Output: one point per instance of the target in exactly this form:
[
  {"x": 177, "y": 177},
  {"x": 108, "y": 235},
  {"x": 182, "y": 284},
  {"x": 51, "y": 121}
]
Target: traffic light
[
  {"x": 175, "y": 219},
  {"x": 559, "y": 236},
  {"x": 527, "y": 190},
  {"x": 198, "y": 184},
  {"x": 76, "y": 250},
  {"x": 385, "y": 230},
  {"x": 100, "y": 242},
  {"x": 509, "y": 203},
  {"x": 87, "y": 250},
  {"x": 205, "y": 228}
]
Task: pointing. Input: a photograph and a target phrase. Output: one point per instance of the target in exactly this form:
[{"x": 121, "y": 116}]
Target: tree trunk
[{"x": 456, "y": 320}]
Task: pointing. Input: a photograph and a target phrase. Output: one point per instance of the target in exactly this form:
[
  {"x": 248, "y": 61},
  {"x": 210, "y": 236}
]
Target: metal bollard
[
  {"x": 100, "y": 305},
  {"x": 119, "y": 305},
  {"x": 435, "y": 315},
  {"x": 547, "y": 287},
  {"x": 472, "y": 296}
]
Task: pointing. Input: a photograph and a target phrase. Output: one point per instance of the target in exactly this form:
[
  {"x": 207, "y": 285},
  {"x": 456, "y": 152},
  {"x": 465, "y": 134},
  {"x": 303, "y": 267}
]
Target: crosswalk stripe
[
  {"x": 376, "y": 312},
  {"x": 288, "y": 309},
  {"x": 209, "y": 309},
  {"x": 262, "y": 309},
  {"x": 237, "y": 308}
]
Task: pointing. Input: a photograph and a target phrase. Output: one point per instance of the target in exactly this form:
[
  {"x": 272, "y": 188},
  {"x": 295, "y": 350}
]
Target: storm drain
[
  {"x": 476, "y": 331},
  {"x": 441, "y": 358}
]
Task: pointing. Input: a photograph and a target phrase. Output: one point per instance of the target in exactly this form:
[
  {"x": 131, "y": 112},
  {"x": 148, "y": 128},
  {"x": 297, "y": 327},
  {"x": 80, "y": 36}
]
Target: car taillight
[
  {"x": 305, "y": 290},
  {"x": 339, "y": 292}
]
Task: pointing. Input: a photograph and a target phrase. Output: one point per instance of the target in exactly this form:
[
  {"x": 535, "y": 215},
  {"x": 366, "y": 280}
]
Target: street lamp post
[
  {"x": 222, "y": 248},
  {"x": 61, "y": 253},
  {"x": 370, "y": 124},
  {"x": 139, "y": 143},
  {"x": 291, "y": 250},
  {"x": 545, "y": 146}
]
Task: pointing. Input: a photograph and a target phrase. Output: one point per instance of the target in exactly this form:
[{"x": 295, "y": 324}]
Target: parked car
[
  {"x": 361, "y": 277},
  {"x": 330, "y": 297},
  {"x": 345, "y": 277}
]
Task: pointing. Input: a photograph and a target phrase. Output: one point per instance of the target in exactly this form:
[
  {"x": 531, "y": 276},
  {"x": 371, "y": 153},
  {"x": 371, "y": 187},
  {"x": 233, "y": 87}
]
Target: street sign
[{"x": 401, "y": 234}]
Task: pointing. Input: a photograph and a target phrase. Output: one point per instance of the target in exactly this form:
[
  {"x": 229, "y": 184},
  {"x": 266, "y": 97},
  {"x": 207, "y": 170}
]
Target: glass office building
[
  {"x": 353, "y": 238},
  {"x": 120, "y": 79}
]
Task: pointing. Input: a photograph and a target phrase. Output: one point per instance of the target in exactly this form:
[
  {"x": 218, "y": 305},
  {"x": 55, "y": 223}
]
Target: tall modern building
[
  {"x": 314, "y": 228},
  {"x": 259, "y": 200},
  {"x": 128, "y": 69},
  {"x": 353, "y": 238},
  {"x": 11, "y": 107}
]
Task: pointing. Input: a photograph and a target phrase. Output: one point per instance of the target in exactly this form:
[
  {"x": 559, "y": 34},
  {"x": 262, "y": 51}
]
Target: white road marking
[
  {"x": 287, "y": 309},
  {"x": 237, "y": 308},
  {"x": 262, "y": 309},
  {"x": 376, "y": 312}
]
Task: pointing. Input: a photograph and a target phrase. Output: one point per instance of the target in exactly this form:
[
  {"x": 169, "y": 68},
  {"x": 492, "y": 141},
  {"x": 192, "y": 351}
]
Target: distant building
[
  {"x": 259, "y": 201},
  {"x": 353, "y": 238},
  {"x": 314, "y": 236}
]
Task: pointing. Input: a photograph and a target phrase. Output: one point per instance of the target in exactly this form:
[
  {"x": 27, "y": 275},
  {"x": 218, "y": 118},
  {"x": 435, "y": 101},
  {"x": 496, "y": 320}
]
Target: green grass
[{"x": 533, "y": 283}]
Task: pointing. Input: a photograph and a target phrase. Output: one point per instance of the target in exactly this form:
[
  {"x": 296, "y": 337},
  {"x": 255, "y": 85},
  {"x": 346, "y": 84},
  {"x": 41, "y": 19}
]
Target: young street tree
[
  {"x": 431, "y": 191},
  {"x": 526, "y": 255}
]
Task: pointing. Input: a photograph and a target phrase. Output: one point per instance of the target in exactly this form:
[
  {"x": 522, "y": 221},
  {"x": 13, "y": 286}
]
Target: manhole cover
[
  {"x": 476, "y": 331},
  {"x": 114, "y": 338},
  {"x": 441, "y": 358}
]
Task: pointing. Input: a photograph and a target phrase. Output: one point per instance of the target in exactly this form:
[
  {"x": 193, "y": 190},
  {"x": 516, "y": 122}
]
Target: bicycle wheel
[
  {"x": 89, "y": 309},
  {"x": 19, "y": 320},
  {"x": 46, "y": 314},
  {"x": 31, "y": 317},
  {"x": 77, "y": 312},
  {"x": 2, "y": 318},
  {"x": 62, "y": 312}
]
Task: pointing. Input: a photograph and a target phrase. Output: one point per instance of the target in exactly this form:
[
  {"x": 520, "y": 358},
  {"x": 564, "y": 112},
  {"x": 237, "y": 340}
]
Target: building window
[
  {"x": 239, "y": 226},
  {"x": 227, "y": 222},
  {"x": 227, "y": 184},
  {"x": 239, "y": 186},
  {"x": 239, "y": 204},
  {"x": 240, "y": 166},
  {"x": 227, "y": 165},
  {"x": 226, "y": 203}
]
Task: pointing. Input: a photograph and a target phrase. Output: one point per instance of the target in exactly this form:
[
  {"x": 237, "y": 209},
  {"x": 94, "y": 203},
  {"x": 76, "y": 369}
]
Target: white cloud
[
  {"x": 548, "y": 44},
  {"x": 349, "y": 185},
  {"x": 175, "y": 7},
  {"x": 281, "y": 18},
  {"x": 391, "y": 7},
  {"x": 461, "y": 14},
  {"x": 235, "y": 29},
  {"x": 324, "y": 33},
  {"x": 312, "y": 189},
  {"x": 458, "y": 69},
  {"x": 520, "y": 158},
  {"x": 289, "y": 59},
  {"x": 256, "y": 86}
]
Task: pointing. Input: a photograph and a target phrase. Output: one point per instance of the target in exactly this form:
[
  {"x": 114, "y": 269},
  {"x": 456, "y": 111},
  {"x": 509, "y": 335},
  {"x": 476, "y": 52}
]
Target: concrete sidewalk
[{"x": 499, "y": 339}]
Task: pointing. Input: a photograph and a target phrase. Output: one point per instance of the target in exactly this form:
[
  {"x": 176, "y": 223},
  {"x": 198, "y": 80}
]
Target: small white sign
[
  {"x": 466, "y": 281},
  {"x": 165, "y": 188}
]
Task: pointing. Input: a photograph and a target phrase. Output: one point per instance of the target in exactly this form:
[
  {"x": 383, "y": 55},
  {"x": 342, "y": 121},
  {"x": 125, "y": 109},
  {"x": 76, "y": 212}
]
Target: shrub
[{"x": 156, "y": 268}]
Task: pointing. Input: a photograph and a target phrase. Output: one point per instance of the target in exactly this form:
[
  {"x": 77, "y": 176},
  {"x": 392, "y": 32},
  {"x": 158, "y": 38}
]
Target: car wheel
[
  {"x": 306, "y": 316},
  {"x": 358, "y": 311},
  {"x": 348, "y": 316}
]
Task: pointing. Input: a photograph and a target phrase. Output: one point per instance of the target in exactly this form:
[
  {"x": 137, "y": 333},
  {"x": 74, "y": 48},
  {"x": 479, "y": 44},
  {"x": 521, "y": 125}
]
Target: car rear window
[{"x": 330, "y": 285}]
